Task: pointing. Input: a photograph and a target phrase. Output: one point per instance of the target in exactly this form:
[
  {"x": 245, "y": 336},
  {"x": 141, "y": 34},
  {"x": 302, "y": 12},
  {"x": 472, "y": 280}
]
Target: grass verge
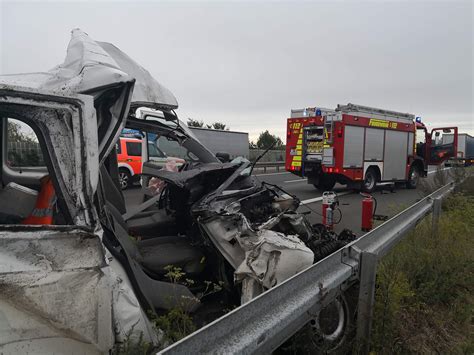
[{"x": 424, "y": 296}]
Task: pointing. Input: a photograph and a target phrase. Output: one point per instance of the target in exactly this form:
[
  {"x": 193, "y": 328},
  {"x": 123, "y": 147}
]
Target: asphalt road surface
[{"x": 350, "y": 201}]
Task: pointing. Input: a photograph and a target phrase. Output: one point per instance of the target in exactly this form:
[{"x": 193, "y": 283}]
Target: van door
[
  {"x": 442, "y": 144},
  {"x": 55, "y": 293},
  {"x": 66, "y": 127}
]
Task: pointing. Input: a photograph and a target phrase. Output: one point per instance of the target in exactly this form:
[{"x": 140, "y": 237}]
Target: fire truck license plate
[{"x": 293, "y": 152}]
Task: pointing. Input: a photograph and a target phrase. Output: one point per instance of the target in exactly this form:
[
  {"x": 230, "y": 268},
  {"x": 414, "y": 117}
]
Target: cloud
[{"x": 247, "y": 64}]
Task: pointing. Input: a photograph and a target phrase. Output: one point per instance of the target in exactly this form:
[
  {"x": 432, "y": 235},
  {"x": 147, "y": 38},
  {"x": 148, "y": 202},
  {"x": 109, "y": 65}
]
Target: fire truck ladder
[
  {"x": 374, "y": 111},
  {"x": 309, "y": 111}
]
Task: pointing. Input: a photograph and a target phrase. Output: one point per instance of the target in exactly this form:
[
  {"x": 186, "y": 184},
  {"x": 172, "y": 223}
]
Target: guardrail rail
[
  {"x": 270, "y": 164},
  {"x": 267, "y": 321}
]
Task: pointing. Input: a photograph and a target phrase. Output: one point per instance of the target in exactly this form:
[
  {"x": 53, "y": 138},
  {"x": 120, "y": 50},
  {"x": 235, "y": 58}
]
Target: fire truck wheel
[
  {"x": 413, "y": 177},
  {"x": 325, "y": 183},
  {"x": 370, "y": 180}
]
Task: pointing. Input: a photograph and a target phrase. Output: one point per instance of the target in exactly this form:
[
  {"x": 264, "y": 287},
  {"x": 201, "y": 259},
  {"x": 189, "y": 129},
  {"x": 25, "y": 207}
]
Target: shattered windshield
[{"x": 171, "y": 136}]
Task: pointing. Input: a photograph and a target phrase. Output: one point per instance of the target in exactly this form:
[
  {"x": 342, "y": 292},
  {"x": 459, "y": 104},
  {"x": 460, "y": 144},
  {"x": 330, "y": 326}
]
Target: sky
[{"x": 247, "y": 64}]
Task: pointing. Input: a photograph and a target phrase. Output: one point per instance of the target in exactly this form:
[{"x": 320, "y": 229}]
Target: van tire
[{"x": 321, "y": 335}]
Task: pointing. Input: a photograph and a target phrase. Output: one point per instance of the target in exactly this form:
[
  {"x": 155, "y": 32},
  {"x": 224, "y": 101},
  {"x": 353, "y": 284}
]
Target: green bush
[{"x": 424, "y": 296}]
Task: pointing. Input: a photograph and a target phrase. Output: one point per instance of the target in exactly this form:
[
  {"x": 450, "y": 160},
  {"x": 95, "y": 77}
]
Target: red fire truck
[{"x": 362, "y": 146}]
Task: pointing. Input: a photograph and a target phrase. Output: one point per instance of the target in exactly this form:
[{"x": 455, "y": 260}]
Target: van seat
[
  {"x": 152, "y": 223},
  {"x": 17, "y": 203},
  {"x": 157, "y": 253}
]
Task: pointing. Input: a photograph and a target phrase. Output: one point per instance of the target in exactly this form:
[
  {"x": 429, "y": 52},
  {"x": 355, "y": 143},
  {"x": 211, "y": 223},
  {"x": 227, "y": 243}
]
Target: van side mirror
[
  {"x": 223, "y": 157},
  {"x": 437, "y": 134}
]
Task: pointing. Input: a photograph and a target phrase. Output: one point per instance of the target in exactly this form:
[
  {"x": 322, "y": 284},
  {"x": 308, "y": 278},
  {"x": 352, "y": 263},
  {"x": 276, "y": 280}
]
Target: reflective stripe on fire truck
[
  {"x": 296, "y": 159},
  {"x": 382, "y": 123}
]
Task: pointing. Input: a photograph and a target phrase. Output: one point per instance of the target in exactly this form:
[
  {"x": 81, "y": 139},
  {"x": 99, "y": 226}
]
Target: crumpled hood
[{"x": 101, "y": 70}]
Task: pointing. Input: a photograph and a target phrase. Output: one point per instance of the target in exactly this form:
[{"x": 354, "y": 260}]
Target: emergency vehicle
[
  {"x": 129, "y": 158},
  {"x": 362, "y": 146}
]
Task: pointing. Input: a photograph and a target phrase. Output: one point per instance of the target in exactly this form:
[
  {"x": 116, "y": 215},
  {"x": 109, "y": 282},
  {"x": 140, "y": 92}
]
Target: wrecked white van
[{"x": 97, "y": 275}]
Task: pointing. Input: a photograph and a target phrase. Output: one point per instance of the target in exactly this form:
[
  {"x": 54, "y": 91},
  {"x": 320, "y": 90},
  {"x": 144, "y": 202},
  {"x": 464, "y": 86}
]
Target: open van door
[
  {"x": 55, "y": 295},
  {"x": 442, "y": 145}
]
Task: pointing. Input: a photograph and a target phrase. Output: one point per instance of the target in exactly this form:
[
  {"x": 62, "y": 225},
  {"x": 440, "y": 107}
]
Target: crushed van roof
[{"x": 90, "y": 66}]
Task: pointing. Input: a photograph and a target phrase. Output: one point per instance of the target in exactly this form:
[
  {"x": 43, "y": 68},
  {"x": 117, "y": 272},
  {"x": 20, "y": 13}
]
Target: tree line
[
  {"x": 266, "y": 140},
  {"x": 28, "y": 155},
  {"x": 200, "y": 124}
]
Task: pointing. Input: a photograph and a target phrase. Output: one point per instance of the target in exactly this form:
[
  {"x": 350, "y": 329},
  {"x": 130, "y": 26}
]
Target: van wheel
[
  {"x": 370, "y": 180},
  {"x": 326, "y": 183},
  {"x": 331, "y": 331},
  {"x": 413, "y": 177},
  {"x": 125, "y": 179}
]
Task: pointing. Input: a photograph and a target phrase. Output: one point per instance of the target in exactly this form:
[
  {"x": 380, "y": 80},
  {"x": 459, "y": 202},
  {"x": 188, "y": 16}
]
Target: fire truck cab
[{"x": 362, "y": 146}]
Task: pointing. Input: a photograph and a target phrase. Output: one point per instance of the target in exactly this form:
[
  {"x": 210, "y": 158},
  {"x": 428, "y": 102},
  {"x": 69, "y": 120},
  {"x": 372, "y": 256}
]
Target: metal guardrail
[
  {"x": 267, "y": 321},
  {"x": 270, "y": 164}
]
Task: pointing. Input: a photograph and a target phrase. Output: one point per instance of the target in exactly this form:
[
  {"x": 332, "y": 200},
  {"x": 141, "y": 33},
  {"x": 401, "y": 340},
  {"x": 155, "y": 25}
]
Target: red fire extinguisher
[
  {"x": 329, "y": 203},
  {"x": 367, "y": 213}
]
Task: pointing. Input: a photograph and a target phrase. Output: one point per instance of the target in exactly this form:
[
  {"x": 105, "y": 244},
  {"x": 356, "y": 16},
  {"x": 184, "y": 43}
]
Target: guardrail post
[
  {"x": 437, "y": 202},
  {"x": 368, "y": 271}
]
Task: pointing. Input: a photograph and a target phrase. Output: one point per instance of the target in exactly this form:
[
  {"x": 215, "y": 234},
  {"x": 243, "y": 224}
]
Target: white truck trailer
[
  {"x": 465, "y": 154},
  {"x": 236, "y": 144}
]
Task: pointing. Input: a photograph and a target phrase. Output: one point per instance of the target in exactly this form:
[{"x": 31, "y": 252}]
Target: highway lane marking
[
  {"x": 289, "y": 181},
  {"x": 433, "y": 171},
  {"x": 297, "y": 180},
  {"x": 316, "y": 199},
  {"x": 286, "y": 172}
]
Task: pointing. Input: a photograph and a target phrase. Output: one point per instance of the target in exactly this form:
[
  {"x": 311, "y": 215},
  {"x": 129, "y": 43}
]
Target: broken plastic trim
[{"x": 213, "y": 195}]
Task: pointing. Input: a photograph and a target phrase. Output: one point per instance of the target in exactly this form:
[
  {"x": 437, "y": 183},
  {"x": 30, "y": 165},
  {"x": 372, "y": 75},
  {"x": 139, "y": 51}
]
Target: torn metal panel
[
  {"x": 53, "y": 285},
  {"x": 271, "y": 257},
  {"x": 147, "y": 91},
  {"x": 289, "y": 221},
  {"x": 222, "y": 230},
  {"x": 129, "y": 319},
  {"x": 267, "y": 256}
]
